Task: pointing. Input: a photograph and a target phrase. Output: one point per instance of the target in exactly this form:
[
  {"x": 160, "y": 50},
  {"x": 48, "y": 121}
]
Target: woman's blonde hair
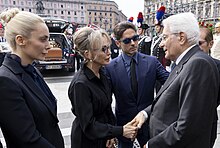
[
  {"x": 89, "y": 39},
  {"x": 18, "y": 23}
]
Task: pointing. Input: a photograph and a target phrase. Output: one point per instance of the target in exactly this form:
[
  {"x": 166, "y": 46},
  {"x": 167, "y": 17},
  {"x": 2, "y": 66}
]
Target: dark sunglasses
[
  {"x": 201, "y": 42},
  {"x": 105, "y": 49},
  {"x": 128, "y": 40}
]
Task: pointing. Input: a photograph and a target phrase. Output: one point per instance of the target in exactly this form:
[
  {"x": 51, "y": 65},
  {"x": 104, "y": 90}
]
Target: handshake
[{"x": 131, "y": 128}]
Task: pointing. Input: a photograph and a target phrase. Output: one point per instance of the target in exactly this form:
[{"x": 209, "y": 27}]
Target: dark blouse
[{"x": 91, "y": 104}]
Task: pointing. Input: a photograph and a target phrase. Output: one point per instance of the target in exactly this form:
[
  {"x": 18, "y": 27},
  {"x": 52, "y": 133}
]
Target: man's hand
[
  {"x": 130, "y": 130},
  {"x": 139, "y": 119}
]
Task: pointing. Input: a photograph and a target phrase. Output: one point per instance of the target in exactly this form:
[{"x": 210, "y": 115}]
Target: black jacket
[
  {"x": 27, "y": 117},
  {"x": 91, "y": 104}
]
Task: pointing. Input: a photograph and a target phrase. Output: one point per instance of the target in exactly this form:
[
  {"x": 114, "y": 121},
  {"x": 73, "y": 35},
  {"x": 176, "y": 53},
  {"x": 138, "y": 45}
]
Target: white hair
[{"x": 184, "y": 22}]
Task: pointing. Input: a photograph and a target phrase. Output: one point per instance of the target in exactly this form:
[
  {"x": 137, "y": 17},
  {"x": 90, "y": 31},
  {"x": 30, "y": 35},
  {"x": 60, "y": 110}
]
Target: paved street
[{"x": 59, "y": 85}]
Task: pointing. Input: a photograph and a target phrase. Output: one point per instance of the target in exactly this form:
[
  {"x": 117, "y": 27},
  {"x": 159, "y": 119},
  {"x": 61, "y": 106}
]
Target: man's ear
[
  {"x": 20, "y": 40},
  {"x": 182, "y": 38},
  {"x": 211, "y": 44},
  {"x": 118, "y": 43}
]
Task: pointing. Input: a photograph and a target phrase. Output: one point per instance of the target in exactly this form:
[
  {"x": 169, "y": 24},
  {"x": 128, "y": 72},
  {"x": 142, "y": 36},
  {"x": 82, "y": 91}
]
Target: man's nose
[{"x": 161, "y": 45}]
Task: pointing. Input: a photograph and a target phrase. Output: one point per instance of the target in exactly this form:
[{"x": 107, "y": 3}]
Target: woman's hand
[
  {"x": 130, "y": 130},
  {"x": 111, "y": 143}
]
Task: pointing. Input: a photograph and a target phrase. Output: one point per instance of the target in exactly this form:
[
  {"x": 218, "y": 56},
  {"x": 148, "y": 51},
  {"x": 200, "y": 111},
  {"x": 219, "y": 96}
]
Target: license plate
[{"x": 53, "y": 67}]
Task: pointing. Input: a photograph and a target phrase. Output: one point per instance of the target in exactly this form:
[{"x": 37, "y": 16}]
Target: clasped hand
[{"x": 131, "y": 128}]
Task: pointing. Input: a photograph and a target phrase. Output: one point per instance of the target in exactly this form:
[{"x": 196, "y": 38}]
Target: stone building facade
[
  {"x": 205, "y": 10},
  {"x": 103, "y": 13}
]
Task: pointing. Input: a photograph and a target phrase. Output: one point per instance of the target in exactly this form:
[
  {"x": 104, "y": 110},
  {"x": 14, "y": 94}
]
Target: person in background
[
  {"x": 156, "y": 50},
  {"x": 133, "y": 76},
  {"x": 205, "y": 43},
  {"x": 2, "y": 55},
  {"x": 114, "y": 47},
  {"x": 144, "y": 43},
  {"x": 182, "y": 113},
  {"x": 90, "y": 94},
  {"x": 2, "y": 38},
  {"x": 205, "y": 39},
  {"x": 28, "y": 109},
  {"x": 215, "y": 50}
]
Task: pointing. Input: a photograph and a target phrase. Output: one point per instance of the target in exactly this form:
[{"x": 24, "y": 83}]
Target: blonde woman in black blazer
[{"x": 28, "y": 111}]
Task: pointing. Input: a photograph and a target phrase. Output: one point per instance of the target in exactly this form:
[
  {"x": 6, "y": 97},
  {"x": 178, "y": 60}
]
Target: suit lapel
[
  {"x": 176, "y": 71},
  {"x": 142, "y": 75},
  {"x": 121, "y": 71},
  {"x": 38, "y": 92},
  {"x": 28, "y": 81}
]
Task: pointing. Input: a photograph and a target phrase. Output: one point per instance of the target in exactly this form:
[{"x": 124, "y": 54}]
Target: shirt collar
[
  {"x": 183, "y": 54},
  {"x": 29, "y": 68},
  {"x": 127, "y": 58}
]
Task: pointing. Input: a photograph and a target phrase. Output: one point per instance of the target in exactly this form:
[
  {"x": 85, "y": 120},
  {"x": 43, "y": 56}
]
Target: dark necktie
[{"x": 134, "y": 84}]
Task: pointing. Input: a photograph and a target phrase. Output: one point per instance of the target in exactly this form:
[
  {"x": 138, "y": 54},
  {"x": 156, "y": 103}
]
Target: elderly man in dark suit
[
  {"x": 133, "y": 76},
  {"x": 183, "y": 111}
]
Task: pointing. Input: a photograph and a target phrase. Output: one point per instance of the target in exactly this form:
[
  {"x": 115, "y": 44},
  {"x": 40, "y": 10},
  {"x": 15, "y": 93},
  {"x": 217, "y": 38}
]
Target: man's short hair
[{"x": 184, "y": 22}]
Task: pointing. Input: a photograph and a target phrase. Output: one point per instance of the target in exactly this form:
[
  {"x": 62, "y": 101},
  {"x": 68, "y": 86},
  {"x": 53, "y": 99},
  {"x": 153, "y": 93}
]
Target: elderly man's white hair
[{"x": 184, "y": 22}]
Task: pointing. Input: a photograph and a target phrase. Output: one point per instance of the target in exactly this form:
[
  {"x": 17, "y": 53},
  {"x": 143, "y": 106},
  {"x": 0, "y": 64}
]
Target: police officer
[{"x": 144, "y": 43}]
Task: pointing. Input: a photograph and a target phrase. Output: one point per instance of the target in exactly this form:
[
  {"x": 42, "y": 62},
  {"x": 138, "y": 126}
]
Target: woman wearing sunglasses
[
  {"x": 90, "y": 94},
  {"x": 133, "y": 76}
]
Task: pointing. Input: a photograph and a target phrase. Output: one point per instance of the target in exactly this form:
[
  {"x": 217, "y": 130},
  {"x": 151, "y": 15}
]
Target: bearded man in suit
[{"x": 183, "y": 111}]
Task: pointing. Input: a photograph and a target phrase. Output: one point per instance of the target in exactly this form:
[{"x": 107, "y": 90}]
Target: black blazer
[
  {"x": 91, "y": 104},
  {"x": 182, "y": 113},
  {"x": 27, "y": 117}
]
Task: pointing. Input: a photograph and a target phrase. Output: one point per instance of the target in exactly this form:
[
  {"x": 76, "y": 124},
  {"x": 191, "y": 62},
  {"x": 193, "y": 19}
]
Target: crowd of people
[{"x": 157, "y": 106}]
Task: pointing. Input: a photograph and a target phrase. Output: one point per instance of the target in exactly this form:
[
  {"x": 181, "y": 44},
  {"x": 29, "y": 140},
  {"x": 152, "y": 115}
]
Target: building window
[
  {"x": 95, "y": 7},
  {"x": 61, "y": 6},
  {"x": 81, "y": 7},
  {"x": 61, "y": 12},
  {"x": 22, "y": 9},
  {"x": 74, "y": 12},
  {"x": 69, "y": 19},
  {"x": 48, "y": 11},
  {"x": 22, "y": 3},
  {"x": 82, "y": 13},
  {"x": 95, "y": 13},
  {"x": 68, "y": 12},
  {"x": 14, "y": 3},
  {"x": 89, "y": 13},
  {"x": 55, "y": 12},
  {"x": 29, "y": 10},
  {"x": 82, "y": 20},
  {"x": 110, "y": 14},
  {"x": 75, "y": 19},
  {"x": 105, "y": 14}
]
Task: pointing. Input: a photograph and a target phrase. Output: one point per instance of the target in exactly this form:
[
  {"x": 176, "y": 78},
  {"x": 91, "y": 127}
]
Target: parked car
[{"x": 60, "y": 56}]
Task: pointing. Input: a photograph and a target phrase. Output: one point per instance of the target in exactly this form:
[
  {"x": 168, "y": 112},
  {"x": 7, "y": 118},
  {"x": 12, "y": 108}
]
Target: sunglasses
[
  {"x": 105, "y": 49},
  {"x": 201, "y": 42},
  {"x": 128, "y": 40}
]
